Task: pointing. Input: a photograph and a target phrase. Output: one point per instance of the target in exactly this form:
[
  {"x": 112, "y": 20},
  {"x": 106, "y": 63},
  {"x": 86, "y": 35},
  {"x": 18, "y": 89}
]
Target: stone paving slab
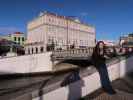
[
  {"x": 121, "y": 95},
  {"x": 123, "y": 87}
]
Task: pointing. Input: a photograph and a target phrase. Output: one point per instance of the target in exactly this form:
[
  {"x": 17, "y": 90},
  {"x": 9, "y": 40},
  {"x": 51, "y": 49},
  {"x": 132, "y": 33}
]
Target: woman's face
[{"x": 101, "y": 45}]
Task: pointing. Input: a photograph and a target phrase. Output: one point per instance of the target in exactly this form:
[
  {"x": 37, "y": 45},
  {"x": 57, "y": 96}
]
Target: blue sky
[{"x": 111, "y": 18}]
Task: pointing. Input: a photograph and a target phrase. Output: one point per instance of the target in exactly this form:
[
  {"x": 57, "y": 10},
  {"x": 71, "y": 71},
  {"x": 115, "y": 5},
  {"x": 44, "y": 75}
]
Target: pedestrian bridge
[
  {"x": 44, "y": 62},
  {"x": 74, "y": 54}
]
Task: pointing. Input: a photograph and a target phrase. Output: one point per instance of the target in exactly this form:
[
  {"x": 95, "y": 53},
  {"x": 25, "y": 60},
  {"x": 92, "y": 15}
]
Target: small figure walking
[{"x": 98, "y": 60}]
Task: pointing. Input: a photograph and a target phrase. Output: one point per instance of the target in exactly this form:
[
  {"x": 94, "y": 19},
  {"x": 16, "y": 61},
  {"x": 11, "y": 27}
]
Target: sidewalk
[{"x": 123, "y": 87}]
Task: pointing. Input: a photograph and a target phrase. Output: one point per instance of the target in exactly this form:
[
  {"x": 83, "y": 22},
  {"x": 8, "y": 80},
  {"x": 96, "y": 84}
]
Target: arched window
[
  {"x": 36, "y": 50},
  {"x": 42, "y": 49},
  {"x": 32, "y": 50}
]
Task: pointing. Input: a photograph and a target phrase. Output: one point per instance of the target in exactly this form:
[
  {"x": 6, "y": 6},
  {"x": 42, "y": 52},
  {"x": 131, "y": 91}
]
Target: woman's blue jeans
[{"x": 104, "y": 77}]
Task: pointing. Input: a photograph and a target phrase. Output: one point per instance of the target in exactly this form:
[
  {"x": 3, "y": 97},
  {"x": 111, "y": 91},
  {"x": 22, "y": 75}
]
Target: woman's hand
[{"x": 106, "y": 57}]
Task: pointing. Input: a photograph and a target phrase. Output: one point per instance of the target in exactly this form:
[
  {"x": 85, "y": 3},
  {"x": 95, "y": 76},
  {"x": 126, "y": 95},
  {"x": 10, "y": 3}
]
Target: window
[
  {"x": 32, "y": 50},
  {"x": 18, "y": 38},
  {"x": 14, "y": 38},
  {"x": 50, "y": 19},
  {"x": 22, "y": 38},
  {"x": 41, "y": 49},
  {"x": 49, "y": 39},
  {"x": 36, "y": 50}
]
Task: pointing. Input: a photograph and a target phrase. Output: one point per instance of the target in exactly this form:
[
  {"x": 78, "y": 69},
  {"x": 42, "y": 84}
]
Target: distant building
[
  {"x": 10, "y": 48},
  {"x": 12, "y": 44},
  {"x": 126, "y": 41},
  {"x": 109, "y": 43},
  {"x": 17, "y": 37},
  {"x": 62, "y": 32}
]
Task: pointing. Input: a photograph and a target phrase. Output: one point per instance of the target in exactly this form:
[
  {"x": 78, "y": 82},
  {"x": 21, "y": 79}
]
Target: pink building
[{"x": 63, "y": 31}]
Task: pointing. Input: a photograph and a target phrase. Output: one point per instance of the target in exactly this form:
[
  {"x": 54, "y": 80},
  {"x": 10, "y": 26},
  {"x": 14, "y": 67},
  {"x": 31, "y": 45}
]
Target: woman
[{"x": 98, "y": 59}]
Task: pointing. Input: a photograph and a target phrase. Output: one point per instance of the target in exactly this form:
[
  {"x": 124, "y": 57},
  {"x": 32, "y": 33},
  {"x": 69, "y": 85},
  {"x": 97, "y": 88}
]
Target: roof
[
  {"x": 17, "y": 33},
  {"x": 72, "y": 18}
]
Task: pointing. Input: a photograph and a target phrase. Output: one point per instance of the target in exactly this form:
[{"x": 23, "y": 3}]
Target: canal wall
[
  {"x": 26, "y": 64},
  {"x": 88, "y": 83}
]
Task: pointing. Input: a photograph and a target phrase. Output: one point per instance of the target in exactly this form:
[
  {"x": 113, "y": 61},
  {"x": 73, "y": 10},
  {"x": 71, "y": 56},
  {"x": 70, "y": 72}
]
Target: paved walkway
[
  {"x": 123, "y": 87},
  {"x": 121, "y": 95}
]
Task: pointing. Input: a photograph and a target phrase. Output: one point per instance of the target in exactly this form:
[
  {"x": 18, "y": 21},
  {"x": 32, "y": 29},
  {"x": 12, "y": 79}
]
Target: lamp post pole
[{"x": 67, "y": 34}]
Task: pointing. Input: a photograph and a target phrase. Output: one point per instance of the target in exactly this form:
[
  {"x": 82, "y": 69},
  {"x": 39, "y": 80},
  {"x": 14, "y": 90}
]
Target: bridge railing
[
  {"x": 72, "y": 53},
  {"x": 83, "y": 53}
]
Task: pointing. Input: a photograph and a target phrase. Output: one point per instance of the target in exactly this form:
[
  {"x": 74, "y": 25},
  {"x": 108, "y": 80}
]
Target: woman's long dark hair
[{"x": 96, "y": 51}]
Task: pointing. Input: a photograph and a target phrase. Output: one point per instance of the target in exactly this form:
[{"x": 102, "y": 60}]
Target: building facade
[
  {"x": 16, "y": 37},
  {"x": 126, "y": 41},
  {"x": 10, "y": 48},
  {"x": 63, "y": 32}
]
